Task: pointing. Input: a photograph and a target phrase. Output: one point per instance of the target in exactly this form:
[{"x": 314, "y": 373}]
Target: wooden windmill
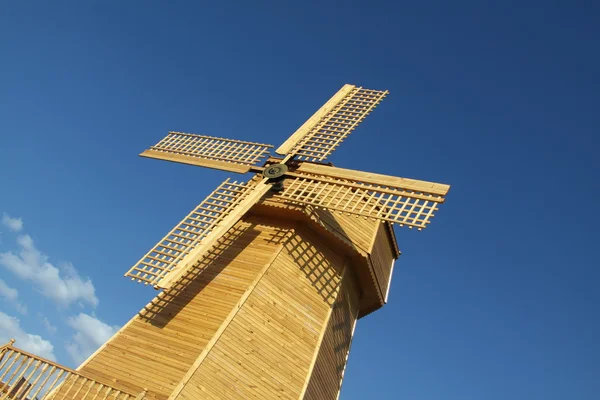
[{"x": 264, "y": 280}]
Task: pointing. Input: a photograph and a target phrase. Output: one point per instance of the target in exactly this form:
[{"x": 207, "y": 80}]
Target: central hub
[{"x": 275, "y": 171}]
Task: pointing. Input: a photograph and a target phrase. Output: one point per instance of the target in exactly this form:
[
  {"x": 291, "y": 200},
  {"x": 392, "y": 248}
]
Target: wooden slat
[
  {"x": 200, "y": 162},
  {"x": 375, "y": 179}
]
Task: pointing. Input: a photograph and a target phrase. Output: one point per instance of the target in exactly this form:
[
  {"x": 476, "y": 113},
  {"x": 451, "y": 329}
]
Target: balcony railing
[{"x": 24, "y": 376}]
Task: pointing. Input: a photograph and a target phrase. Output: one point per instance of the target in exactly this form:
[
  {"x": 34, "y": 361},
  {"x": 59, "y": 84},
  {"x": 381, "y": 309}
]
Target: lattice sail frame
[
  {"x": 400, "y": 206},
  {"x": 213, "y": 148},
  {"x": 335, "y": 126},
  {"x": 188, "y": 234}
]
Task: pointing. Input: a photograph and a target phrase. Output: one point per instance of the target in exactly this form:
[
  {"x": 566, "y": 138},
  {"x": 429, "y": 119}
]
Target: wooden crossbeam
[
  {"x": 197, "y": 161},
  {"x": 439, "y": 189}
]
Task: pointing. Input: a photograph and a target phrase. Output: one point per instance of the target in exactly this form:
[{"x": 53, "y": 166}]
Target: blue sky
[{"x": 498, "y": 299}]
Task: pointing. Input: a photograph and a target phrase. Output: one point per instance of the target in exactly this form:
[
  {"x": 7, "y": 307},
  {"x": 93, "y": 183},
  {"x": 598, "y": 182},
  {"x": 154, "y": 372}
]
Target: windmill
[
  {"x": 391, "y": 199},
  {"x": 262, "y": 283}
]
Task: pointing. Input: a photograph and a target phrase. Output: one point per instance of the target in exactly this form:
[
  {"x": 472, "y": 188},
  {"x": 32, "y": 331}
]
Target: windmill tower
[{"x": 263, "y": 282}]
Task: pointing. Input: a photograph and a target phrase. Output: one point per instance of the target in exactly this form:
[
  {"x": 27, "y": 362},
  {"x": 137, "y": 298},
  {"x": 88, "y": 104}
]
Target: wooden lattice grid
[
  {"x": 27, "y": 376},
  {"x": 186, "y": 235},
  {"x": 395, "y": 205},
  {"x": 213, "y": 148},
  {"x": 336, "y": 125}
]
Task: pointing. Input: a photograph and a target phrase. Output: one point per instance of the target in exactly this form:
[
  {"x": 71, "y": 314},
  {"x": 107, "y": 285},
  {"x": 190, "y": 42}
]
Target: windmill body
[{"x": 263, "y": 282}]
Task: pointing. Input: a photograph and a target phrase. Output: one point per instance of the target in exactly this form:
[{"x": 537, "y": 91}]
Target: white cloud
[
  {"x": 90, "y": 334},
  {"x": 21, "y": 308},
  {"x": 51, "y": 328},
  {"x": 11, "y": 295},
  {"x": 10, "y": 328},
  {"x": 14, "y": 224},
  {"x": 63, "y": 285},
  {"x": 7, "y": 292}
]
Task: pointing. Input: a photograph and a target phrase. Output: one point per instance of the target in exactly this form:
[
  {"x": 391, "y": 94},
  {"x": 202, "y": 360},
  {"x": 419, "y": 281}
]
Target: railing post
[
  {"x": 5, "y": 348},
  {"x": 49, "y": 378}
]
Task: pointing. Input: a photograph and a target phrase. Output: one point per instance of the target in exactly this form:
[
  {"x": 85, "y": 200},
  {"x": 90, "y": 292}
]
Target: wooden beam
[
  {"x": 197, "y": 161},
  {"x": 289, "y": 144},
  {"x": 375, "y": 179}
]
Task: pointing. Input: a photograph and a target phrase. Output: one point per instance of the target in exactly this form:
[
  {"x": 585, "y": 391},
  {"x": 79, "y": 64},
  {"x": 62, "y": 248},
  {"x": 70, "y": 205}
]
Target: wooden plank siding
[
  {"x": 359, "y": 231},
  {"x": 356, "y": 232},
  {"x": 167, "y": 336},
  {"x": 382, "y": 255},
  {"x": 267, "y": 350},
  {"x": 362, "y": 236},
  {"x": 326, "y": 378}
]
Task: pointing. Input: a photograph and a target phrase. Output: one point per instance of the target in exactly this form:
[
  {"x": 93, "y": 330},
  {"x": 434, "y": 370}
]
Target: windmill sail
[
  {"x": 332, "y": 123},
  {"x": 398, "y": 200},
  {"x": 188, "y": 234},
  {"x": 207, "y": 151}
]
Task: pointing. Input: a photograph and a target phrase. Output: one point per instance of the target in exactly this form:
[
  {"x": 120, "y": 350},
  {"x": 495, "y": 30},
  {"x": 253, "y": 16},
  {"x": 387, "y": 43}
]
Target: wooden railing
[{"x": 24, "y": 376}]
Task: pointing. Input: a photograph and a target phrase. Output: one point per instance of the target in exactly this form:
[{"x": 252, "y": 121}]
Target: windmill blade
[
  {"x": 433, "y": 188},
  {"x": 318, "y": 137},
  {"x": 387, "y": 198},
  {"x": 171, "y": 257},
  {"x": 211, "y": 152},
  {"x": 234, "y": 215}
]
